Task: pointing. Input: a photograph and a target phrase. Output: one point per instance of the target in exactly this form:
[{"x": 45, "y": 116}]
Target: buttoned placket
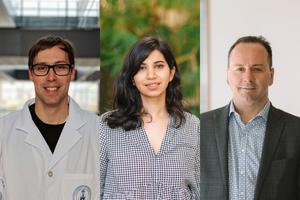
[{"x": 242, "y": 160}]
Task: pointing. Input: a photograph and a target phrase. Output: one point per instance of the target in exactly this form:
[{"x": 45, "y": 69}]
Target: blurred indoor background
[{"x": 22, "y": 22}]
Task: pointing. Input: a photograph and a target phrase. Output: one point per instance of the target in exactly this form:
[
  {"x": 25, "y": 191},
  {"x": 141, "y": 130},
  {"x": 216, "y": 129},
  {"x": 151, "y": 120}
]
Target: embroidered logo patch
[{"x": 82, "y": 192}]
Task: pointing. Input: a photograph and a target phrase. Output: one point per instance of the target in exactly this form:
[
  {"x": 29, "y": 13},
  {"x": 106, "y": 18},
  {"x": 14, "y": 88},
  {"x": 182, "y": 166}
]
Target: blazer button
[{"x": 50, "y": 173}]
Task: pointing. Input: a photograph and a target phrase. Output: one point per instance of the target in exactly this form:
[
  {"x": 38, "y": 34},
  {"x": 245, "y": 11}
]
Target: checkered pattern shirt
[
  {"x": 131, "y": 170},
  {"x": 244, "y": 152}
]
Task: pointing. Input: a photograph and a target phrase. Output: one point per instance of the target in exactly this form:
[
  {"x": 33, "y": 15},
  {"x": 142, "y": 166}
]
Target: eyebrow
[
  {"x": 241, "y": 65},
  {"x": 257, "y": 65},
  {"x": 57, "y": 62},
  {"x": 156, "y": 62}
]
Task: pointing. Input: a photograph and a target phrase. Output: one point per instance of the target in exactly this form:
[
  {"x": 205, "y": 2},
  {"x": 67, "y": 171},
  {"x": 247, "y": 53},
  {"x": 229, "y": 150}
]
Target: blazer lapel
[
  {"x": 221, "y": 133},
  {"x": 273, "y": 132}
]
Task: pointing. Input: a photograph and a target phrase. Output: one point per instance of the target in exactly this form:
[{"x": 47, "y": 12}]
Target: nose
[
  {"x": 51, "y": 76},
  {"x": 248, "y": 76},
  {"x": 151, "y": 73}
]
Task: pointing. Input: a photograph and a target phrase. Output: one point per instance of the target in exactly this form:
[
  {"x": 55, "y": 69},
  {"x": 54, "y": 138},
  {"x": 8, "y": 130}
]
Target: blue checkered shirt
[
  {"x": 130, "y": 169},
  {"x": 244, "y": 152}
]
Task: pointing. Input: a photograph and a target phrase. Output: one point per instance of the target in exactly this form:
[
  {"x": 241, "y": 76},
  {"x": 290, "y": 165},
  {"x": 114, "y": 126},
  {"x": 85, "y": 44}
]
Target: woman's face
[{"x": 153, "y": 77}]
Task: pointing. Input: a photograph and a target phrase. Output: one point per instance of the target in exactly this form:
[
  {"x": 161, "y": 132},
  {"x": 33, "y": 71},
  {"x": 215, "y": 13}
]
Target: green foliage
[{"x": 123, "y": 22}]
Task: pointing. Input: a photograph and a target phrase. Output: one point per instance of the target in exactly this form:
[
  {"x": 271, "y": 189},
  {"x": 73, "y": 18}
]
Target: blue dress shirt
[{"x": 244, "y": 152}]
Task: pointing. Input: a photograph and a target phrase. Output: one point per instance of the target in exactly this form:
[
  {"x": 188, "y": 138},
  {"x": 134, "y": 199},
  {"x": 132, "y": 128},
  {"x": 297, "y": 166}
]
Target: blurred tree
[{"x": 123, "y": 22}]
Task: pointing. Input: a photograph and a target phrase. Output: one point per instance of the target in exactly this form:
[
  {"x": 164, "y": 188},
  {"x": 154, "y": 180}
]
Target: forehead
[
  {"x": 52, "y": 54},
  {"x": 244, "y": 49},
  {"x": 248, "y": 52},
  {"x": 154, "y": 56}
]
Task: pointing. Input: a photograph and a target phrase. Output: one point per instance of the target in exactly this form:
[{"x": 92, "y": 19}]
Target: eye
[
  {"x": 62, "y": 66},
  {"x": 239, "y": 69},
  {"x": 257, "y": 69},
  {"x": 41, "y": 67},
  {"x": 159, "y": 66},
  {"x": 142, "y": 67}
]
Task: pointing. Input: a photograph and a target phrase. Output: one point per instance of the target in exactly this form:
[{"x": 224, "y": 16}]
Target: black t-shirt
[{"x": 50, "y": 132}]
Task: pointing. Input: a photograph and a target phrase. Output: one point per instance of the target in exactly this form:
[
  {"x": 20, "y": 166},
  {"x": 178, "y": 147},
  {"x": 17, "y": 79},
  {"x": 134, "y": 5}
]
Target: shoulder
[
  {"x": 110, "y": 135},
  {"x": 190, "y": 130},
  {"x": 13, "y": 117},
  {"x": 9, "y": 122},
  {"x": 90, "y": 115},
  {"x": 191, "y": 124},
  {"x": 288, "y": 117},
  {"x": 104, "y": 125},
  {"x": 79, "y": 113},
  {"x": 216, "y": 112},
  {"x": 191, "y": 119},
  {"x": 105, "y": 115},
  {"x": 10, "y": 116}
]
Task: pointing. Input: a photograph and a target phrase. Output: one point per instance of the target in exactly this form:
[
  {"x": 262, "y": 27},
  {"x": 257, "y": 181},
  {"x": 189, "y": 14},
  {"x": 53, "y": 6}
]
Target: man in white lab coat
[{"x": 48, "y": 150}]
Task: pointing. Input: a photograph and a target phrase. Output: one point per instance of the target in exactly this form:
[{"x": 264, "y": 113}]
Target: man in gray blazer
[{"x": 249, "y": 149}]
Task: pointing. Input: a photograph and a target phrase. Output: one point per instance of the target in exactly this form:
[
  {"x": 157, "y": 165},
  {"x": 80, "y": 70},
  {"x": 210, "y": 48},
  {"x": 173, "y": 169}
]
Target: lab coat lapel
[
  {"x": 70, "y": 134},
  {"x": 26, "y": 124}
]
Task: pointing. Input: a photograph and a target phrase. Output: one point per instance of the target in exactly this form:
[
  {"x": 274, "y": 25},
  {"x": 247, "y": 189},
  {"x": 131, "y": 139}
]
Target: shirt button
[{"x": 50, "y": 173}]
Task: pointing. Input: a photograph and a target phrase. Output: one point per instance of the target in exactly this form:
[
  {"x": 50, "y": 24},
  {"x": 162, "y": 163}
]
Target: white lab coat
[{"x": 29, "y": 170}]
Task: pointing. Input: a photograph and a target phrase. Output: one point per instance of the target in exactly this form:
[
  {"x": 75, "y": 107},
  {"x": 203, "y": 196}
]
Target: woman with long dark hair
[{"x": 149, "y": 146}]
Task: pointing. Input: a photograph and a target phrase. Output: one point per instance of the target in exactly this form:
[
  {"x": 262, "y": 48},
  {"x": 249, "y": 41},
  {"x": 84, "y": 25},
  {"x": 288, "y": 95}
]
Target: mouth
[
  {"x": 152, "y": 85},
  {"x": 248, "y": 88},
  {"x": 51, "y": 89}
]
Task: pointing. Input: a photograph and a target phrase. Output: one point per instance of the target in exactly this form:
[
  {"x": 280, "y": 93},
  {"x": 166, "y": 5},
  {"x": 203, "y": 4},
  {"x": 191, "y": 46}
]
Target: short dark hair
[
  {"x": 49, "y": 42},
  {"x": 127, "y": 102},
  {"x": 254, "y": 39}
]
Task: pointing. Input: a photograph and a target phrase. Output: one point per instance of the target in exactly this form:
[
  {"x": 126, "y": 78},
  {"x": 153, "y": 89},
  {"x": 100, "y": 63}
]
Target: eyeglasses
[{"x": 43, "y": 69}]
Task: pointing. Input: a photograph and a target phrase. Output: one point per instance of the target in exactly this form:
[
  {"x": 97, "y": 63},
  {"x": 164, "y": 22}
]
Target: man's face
[
  {"x": 51, "y": 90},
  {"x": 249, "y": 74}
]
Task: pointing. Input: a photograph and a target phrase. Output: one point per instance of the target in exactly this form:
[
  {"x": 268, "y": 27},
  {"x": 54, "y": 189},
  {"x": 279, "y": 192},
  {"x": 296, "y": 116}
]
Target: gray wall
[{"x": 279, "y": 22}]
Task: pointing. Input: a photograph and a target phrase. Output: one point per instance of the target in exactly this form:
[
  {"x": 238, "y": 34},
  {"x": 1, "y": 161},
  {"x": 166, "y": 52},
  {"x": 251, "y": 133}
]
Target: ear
[
  {"x": 30, "y": 74},
  {"x": 73, "y": 73},
  {"x": 227, "y": 80},
  {"x": 272, "y": 76},
  {"x": 172, "y": 73}
]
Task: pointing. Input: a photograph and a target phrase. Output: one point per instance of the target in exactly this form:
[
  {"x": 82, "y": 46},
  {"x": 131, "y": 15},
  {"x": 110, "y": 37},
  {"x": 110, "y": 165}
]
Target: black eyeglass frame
[{"x": 53, "y": 67}]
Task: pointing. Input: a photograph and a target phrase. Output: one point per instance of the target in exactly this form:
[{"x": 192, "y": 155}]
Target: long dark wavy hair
[{"x": 127, "y": 103}]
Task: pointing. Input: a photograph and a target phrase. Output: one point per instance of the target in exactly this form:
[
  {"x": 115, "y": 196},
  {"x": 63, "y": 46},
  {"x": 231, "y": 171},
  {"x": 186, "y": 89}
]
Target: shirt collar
[{"x": 262, "y": 113}]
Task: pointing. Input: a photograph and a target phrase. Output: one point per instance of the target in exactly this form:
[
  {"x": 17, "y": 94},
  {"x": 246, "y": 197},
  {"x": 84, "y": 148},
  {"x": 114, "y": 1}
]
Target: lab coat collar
[
  {"x": 25, "y": 124},
  {"x": 70, "y": 134},
  {"x": 68, "y": 138}
]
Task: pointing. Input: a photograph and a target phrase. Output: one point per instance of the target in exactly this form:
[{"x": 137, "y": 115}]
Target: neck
[
  {"x": 52, "y": 115},
  {"x": 249, "y": 111},
  {"x": 156, "y": 109}
]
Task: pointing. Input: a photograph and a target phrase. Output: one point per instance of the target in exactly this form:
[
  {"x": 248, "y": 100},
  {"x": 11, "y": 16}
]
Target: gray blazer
[{"x": 279, "y": 172}]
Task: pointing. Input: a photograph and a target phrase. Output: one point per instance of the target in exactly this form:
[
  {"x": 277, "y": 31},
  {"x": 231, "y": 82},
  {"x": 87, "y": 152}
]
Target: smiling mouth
[
  {"x": 51, "y": 89},
  {"x": 152, "y": 85}
]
